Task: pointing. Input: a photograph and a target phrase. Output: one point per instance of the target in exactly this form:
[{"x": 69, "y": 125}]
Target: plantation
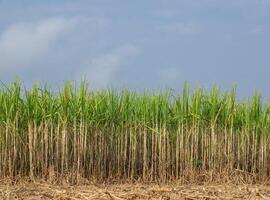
[{"x": 118, "y": 135}]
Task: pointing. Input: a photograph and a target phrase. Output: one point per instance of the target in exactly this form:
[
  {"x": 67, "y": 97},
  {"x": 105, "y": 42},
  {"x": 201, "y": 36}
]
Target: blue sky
[{"x": 138, "y": 44}]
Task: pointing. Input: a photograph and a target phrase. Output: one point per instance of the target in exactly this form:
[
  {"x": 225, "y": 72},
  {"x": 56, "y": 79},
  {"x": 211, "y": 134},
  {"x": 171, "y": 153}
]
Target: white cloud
[
  {"x": 168, "y": 75},
  {"x": 100, "y": 71},
  {"x": 181, "y": 28},
  {"x": 165, "y": 13},
  {"x": 259, "y": 31},
  {"x": 23, "y": 43}
]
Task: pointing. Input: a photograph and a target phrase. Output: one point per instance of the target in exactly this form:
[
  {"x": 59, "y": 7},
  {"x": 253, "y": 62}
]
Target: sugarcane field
[
  {"x": 134, "y": 100},
  {"x": 75, "y": 135}
]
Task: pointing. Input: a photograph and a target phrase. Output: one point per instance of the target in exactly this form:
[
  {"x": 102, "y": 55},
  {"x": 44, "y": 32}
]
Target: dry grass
[{"x": 44, "y": 191}]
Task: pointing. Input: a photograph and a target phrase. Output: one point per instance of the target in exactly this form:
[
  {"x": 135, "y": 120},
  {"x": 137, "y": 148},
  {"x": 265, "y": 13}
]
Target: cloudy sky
[{"x": 137, "y": 44}]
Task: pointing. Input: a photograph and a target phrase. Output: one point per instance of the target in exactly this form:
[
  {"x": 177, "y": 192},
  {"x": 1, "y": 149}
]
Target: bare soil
[{"x": 44, "y": 191}]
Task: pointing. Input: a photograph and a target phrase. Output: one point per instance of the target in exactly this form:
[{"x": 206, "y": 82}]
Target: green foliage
[{"x": 118, "y": 107}]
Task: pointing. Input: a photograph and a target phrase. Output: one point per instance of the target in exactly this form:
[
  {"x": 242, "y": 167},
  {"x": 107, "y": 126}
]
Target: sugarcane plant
[{"x": 111, "y": 134}]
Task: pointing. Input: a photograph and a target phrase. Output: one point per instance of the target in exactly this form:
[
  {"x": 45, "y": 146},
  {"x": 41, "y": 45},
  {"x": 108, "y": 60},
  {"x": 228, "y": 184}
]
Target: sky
[{"x": 140, "y": 44}]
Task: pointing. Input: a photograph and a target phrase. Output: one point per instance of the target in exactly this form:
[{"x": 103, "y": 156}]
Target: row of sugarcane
[{"x": 127, "y": 135}]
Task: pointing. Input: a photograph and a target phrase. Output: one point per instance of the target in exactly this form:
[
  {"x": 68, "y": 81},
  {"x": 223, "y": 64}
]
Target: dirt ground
[{"x": 43, "y": 191}]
